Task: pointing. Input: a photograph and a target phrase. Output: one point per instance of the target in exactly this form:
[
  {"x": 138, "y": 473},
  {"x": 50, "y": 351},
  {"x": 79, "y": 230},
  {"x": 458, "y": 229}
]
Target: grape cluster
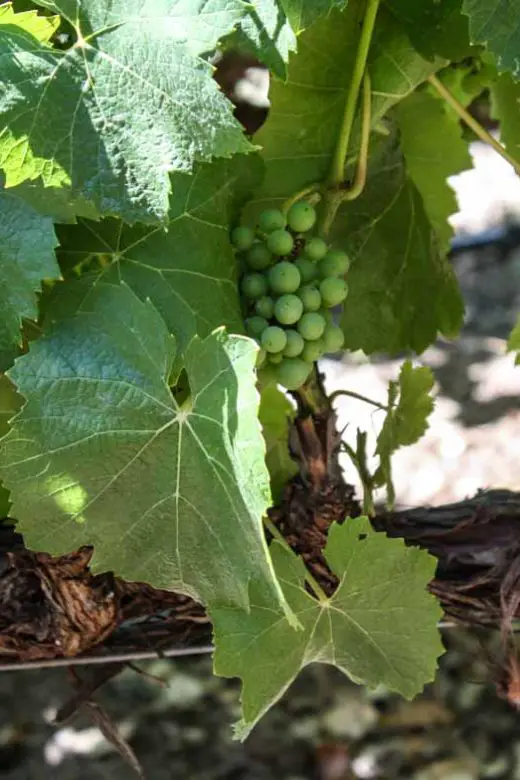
[{"x": 290, "y": 281}]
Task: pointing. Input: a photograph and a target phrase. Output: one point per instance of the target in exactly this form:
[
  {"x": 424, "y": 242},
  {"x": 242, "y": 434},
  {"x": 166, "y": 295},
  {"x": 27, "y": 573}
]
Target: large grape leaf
[
  {"x": 188, "y": 270},
  {"x": 435, "y": 27},
  {"x": 379, "y": 627},
  {"x": 433, "y": 148},
  {"x": 266, "y": 31},
  {"x": 496, "y": 23},
  {"x": 27, "y": 243},
  {"x": 40, "y": 27},
  {"x": 10, "y": 403},
  {"x": 130, "y": 102},
  {"x": 276, "y": 413},
  {"x": 302, "y": 14},
  {"x": 404, "y": 288},
  {"x": 102, "y": 454},
  {"x": 505, "y": 106},
  {"x": 300, "y": 133}
]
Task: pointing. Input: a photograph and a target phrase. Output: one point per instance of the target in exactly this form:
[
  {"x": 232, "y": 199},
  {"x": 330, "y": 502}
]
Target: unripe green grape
[
  {"x": 268, "y": 374},
  {"x": 271, "y": 219},
  {"x": 333, "y": 291},
  {"x": 335, "y": 263},
  {"x": 259, "y": 257},
  {"x": 333, "y": 338},
  {"x": 273, "y": 339},
  {"x": 292, "y": 372},
  {"x": 254, "y": 285},
  {"x": 261, "y": 357},
  {"x": 313, "y": 350},
  {"x": 275, "y": 358},
  {"x": 315, "y": 249},
  {"x": 242, "y": 238},
  {"x": 288, "y": 309},
  {"x": 310, "y": 297},
  {"x": 284, "y": 277},
  {"x": 280, "y": 242},
  {"x": 311, "y": 326},
  {"x": 255, "y": 326},
  {"x": 264, "y": 307},
  {"x": 295, "y": 343},
  {"x": 308, "y": 270},
  {"x": 327, "y": 316},
  {"x": 301, "y": 217}
]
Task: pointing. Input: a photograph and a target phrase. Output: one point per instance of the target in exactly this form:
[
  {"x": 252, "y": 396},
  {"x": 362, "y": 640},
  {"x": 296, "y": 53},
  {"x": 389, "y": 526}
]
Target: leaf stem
[
  {"x": 472, "y": 123},
  {"x": 310, "y": 190},
  {"x": 311, "y": 581},
  {"x": 360, "y": 179},
  {"x": 358, "y": 396}
]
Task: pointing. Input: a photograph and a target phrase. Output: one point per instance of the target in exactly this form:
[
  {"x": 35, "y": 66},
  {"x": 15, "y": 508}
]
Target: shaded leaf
[
  {"x": 379, "y": 627},
  {"x": 435, "y": 27},
  {"x": 505, "y": 106},
  {"x": 496, "y": 23},
  {"x": 102, "y": 454},
  {"x": 107, "y": 119},
  {"x": 265, "y": 30},
  {"x": 275, "y": 414}
]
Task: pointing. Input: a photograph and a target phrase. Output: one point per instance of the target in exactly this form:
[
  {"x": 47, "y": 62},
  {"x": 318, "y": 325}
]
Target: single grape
[
  {"x": 313, "y": 350},
  {"x": 295, "y": 343},
  {"x": 264, "y": 307},
  {"x": 311, "y": 325},
  {"x": 308, "y": 270},
  {"x": 259, "y": 257},
  {"x": 255, "y": 326},
  {"x": 284, "y": 277},
  {"x": 315, "y": 249},
  {"x": 275, "y": 357},
  {"x": 242, "y": 238},
  {"x": 333, "y": 338},
  {"x": 333, "y": 291},
  {"x": 254, "y": 285},
  {"x": 292, "y": 372},
  {"x": 271, "y": 219},
  {"x": 280, "y": 242},
  {"x": 335, "y": 263},
  {"x": 273, "y": 339},
  {"x": 261, "y": 357},
  {"x": 301, "y": 217},
  {"x": 288, "y": 309},
  {"x": 310, "y": 297}
]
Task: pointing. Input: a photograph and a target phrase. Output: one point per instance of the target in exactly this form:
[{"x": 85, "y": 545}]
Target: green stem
[
  {"x": 311, "y": 581},
  {"x": 472, "y": 123},
  {"x": 361, "y": 172},
  {"x": 310, "y": 190},
  {"x": 364, "y": 476},
  {"x": 358, "y": 396}
]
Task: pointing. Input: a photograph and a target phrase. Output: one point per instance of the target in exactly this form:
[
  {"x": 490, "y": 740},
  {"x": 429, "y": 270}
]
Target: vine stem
[
  {"x": 357, "y": 396},
  {"x": 316, "y": 587},
  {"x": 472, "y": 123},
  {"x": 361, "y": 172},
  {"x": 310, "y": 190}
]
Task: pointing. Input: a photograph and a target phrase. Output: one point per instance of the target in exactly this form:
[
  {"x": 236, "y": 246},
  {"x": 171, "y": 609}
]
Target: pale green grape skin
[
  {"x": 273, "y": 339},
  {"x": 308, "y": 270},
  {"x": 335, "y": 263},
  {"x": 310, "y": 297},
  {"x": 333, "y": 291},
  {"x": 271, "y": 219},
  {"x": 275, "y": 358},
  {"x": 253, "y": 286},
  {"x": 315, "y": 249},
  {"x": 255, "y": 326},
  {"x": 327, "y": 316},
  {"x": 313, "y": 350},
  {"x": 284, "y": 277},
  {"x": 292, "y": 372},
  {"x": 280, "y": 242},
  {"x": 261, "y": 357},
  {"x": 242, "y": 238},
  {"x": 288, "y": 309},
  {"x": 264, "y": 307},
  {"x": 259, "y": 257},
  {"x": 333, "y": 338},
  {"x": 295, "y": 343},
  {"x": 301, "y": 217},
  {"x": 311, "y": 326}
]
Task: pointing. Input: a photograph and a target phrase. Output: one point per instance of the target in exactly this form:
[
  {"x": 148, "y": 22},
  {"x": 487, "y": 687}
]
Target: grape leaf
[
  {"x": 27, "y": 242},
  {"x": 275, "y": 414},
  {"x": 505, "y": 105},
  {"x": 379, "y": 627},
  {"x": 435, "y": 27},
  {"x": 100, "y": 423},
  {"x": 189, "y": 270},
  {"x": 300, "y": 133},
  {"x": 434, "y": 150},
  {"x": 513, "y": 342},
  {"x": 10, "y": 403},
  {"x": 496, "y": 23},
  {"x": 106, "y": 118},
  {"x": 405, "y": 422},
  {"x": 405, "y": 289},
  {"x": 303, "y": 14},
  {"x": 40, "y": 27},
  {"x": 266, "y": 31}
]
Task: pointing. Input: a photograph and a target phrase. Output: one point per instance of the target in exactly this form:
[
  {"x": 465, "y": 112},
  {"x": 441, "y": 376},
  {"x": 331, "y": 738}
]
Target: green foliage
[
  {"x": 505, "y": 100},
  {"x": 513, "y": 342},
  {"x": 275, "y": 414},
  {"x": 378, "y": 628},
  {"x": 496, "y": 23},
  {"x": 437, "y": 28}
]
